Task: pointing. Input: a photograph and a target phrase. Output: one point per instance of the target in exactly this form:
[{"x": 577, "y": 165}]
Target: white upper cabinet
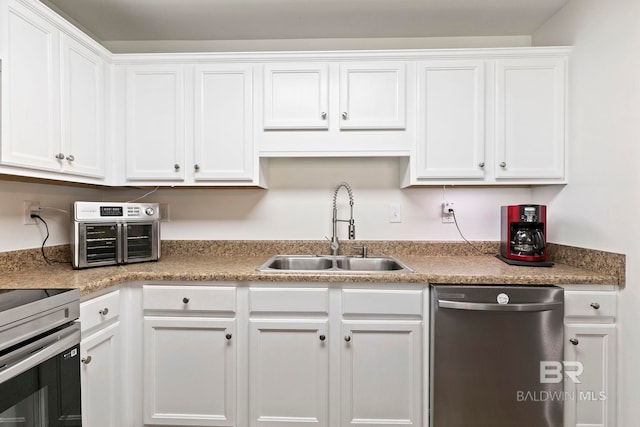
[
  {"x": 155, "y": 122},
  {"x": 451, "y": 121},
  {"x": 346, "y": 108},
  {"x": 530, "y": 118},
  {"x": 223, "y": 139},
  {"x": 52, "y": 97},
  {"x": 373, "y": 96},
  {"x": 83, "y": 130},
  {"x": 296, "y": 96}
]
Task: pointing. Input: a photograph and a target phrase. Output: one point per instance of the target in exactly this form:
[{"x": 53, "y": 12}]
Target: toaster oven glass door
[
  {"x": 140, "y": 241},
  {"x": 102, "y": 243}
]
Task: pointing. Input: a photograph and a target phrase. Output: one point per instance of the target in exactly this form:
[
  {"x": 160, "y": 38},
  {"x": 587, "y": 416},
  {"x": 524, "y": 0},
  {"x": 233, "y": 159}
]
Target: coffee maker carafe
[{"x": 523, "y": 235}]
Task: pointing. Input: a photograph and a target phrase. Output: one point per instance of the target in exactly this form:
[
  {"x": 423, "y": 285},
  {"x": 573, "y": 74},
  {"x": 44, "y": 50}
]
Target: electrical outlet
[
  {"x": 29, "y": 207},
  {"x": 447, "y": 212},
  {"x": 394, "y": 213}
]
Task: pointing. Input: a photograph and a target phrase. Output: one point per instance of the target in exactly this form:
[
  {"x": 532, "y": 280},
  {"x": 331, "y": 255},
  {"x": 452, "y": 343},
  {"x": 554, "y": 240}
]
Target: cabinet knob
[
  {"x": 322, "y": 337},
  {"x": 104, "y": 311},
  {"x": 347, "y": 338},
  {"x": 70, "y": 158},
  {"x": 228, "y": 336},
  {"x": 185, "y": 300},
  {"x": 503, "y": 164},
  {"x": 60, "y": 156},
  {"x": 345, "y": 115},
  {"x": 196, "y": 168},
  {"x": 323, "y": 115},
  {"x": 176, "y": 167},
  {"x": 595, "y": 305},
  {"x": 86, "y": 360},
  {"x": 574, "y": 341},
  {"x": 481, "y": 164}
]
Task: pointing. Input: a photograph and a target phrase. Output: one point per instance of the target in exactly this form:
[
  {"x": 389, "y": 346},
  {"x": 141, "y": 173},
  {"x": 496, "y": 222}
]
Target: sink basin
[
  {"x": 331, "y": 264},
  {"x": 299, "y": 263}
]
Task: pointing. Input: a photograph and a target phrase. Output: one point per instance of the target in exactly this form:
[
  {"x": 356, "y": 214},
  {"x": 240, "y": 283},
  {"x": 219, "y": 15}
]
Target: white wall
[
  {"x": 14, "y": 234},
  {"x": 598, "y": 208},
  {"x": 298, "y": 205}
]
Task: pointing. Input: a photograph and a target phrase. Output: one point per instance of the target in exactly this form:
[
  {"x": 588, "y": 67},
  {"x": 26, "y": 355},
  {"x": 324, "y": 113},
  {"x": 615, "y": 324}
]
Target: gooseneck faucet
[{"x": 335, "y": 244}]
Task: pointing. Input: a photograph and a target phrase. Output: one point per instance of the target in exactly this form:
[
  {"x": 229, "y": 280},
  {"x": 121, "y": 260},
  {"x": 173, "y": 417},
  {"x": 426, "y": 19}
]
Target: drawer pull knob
[
  {"x": 322, "y": 337},
  {"x": 347, "y": 338},
  {"x": 104, "y": 311},
  {"x": 185, "y": 300},
  {"x": 595, "y": 305},
  {"x": 228, "y": 336},
  {"x": 574, "y": 341},
  {"x": 86, "y": 360}
]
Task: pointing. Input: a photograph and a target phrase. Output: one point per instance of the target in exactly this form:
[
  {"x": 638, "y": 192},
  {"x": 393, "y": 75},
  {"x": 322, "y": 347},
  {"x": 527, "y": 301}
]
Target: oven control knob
[{"x": 149, "y": 211}]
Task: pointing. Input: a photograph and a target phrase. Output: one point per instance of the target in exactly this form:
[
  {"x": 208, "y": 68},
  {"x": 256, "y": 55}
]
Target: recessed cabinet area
[{"x": 74, "y": 111}]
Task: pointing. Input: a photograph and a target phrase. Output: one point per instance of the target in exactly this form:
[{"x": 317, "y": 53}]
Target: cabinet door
[
  {"x": 381, "y": 373},
  {"x": 289, "y": 372},
  {"x": 451, "y": 119},
  {"x": 190, "y": 371},
  {"x": 30, "y": 90},
  {"x": 296, "y": 96},
  {"x": 592, "y": 401},
  {"x": 373, "y": 96},
  {"x": 100, "y": 381},
  {"x": 82, "y": 109},
  {"x": 155, "y": 122},
  {"x": 223, "y": 147},
  {"x": 530, "y": 118}
]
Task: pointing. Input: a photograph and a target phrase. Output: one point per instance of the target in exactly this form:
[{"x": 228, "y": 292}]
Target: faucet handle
[{"x": 364, "y": 250}]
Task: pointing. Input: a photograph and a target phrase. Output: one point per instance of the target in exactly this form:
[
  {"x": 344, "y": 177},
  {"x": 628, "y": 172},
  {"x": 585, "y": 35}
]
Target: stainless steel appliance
[
  {"x": 489, "y": 348},
  {"x": 40, "y": 358},
  {"x": 107, "y": 233}
]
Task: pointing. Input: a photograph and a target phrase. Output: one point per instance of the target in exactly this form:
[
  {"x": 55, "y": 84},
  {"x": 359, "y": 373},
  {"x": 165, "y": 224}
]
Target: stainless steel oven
[
  {"x": 107, "y": 233},
  {"x": 40, "y": 358}
]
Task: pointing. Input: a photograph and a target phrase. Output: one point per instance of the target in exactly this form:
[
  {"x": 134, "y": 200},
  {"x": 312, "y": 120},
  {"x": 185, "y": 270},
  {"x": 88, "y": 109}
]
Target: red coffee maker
[{"x": 523, "y": 235}]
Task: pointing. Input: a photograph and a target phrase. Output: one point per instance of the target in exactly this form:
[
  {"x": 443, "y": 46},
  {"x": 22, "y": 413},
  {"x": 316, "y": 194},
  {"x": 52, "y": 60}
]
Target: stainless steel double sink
[{"x": 334, "y": 264}]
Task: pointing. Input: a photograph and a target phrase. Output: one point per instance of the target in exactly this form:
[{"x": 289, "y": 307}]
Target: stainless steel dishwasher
[{"x": 495, "y": 356}]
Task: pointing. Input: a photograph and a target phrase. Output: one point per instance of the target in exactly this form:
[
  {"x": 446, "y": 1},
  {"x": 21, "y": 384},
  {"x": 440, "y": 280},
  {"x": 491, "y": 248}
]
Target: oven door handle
[
  {"x": 123, "y": 255},
  {"x": 33, "y": 354}
]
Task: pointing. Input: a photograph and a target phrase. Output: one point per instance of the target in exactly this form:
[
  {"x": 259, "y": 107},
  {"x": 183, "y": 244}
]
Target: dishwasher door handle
[{"x": 460, "y": 305}]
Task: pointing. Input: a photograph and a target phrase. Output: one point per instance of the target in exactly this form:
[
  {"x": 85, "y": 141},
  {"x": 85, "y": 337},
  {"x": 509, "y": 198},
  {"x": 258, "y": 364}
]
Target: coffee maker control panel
[{"x": 529, "y": 214}]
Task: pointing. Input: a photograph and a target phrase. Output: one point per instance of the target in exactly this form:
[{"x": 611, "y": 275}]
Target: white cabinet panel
[
  {"x": 530, "y": 118},
  {"x": 451, "y": 119},
  {"x": 31, "y": 91},
  {"x": 190, "y": 371},
  {"x": 381, "y": 373},
  {"x": 289, "y": 373},
  {"x": 83, "y": 129},
  {"x": 373, "y": 96},
  {"x": 100, "y": 378},
  {"x": 223, "y": 146},
  {"x": 592, "y": 401},
  {"x": 296, "y": 96},
  {"x": 155, "y": 122}
]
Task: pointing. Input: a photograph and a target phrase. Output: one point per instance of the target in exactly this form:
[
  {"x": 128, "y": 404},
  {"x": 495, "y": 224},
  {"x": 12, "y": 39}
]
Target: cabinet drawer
[
  {"x": 591, "y": 304},
  {"x": 99, "y": 310},
  {"x": 189, "y": 298},
  {"x": 382, "y": 302},
  {"x": 306, "y": 300}
]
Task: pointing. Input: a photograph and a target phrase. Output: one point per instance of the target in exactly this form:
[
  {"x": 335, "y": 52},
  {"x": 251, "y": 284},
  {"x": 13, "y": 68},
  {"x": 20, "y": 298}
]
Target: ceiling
[{"x": 120, "y": 20}]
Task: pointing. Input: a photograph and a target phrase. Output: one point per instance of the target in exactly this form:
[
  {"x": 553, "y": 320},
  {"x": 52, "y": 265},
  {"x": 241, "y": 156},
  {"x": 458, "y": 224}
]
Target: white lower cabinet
[
  {"x": 590, "y": 359},
  {"x": 334, "y": 357},
  {"x": 189, "y": 372},
  {"x": 100, "y": 349},
  {"x": 189, "y": 356}
]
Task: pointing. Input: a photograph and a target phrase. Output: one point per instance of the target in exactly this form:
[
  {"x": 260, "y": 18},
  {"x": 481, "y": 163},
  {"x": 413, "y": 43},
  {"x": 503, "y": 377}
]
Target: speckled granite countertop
[{"x": 200, "y": 262}]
